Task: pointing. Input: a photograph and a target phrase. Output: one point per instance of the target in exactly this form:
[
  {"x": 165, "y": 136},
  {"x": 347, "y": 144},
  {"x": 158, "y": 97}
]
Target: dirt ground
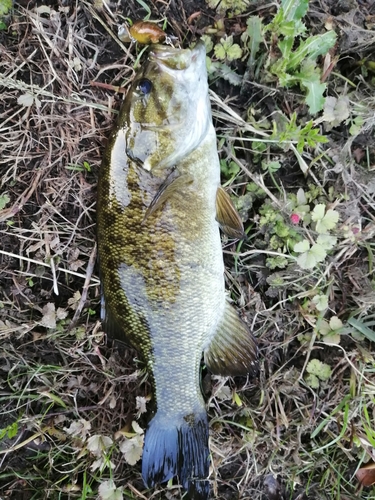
[{"x": 62, "y": 382}]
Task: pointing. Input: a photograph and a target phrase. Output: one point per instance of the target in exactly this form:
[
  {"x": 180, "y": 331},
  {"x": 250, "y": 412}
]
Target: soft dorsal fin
[
  {"x": 227, "y": 215},
  {"x": 233, "y": 349},
  {"x": 172, "y": 183}
]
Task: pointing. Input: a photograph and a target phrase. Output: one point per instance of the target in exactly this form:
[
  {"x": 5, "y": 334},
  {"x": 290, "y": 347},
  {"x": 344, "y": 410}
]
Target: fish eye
[{"x": 145, "y": 86}]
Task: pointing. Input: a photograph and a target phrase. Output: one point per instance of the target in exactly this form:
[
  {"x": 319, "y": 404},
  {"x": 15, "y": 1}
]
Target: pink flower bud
[{"x": 295, "y": 218}]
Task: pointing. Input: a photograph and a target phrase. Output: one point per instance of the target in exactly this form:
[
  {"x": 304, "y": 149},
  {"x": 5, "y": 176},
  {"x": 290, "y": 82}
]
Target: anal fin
[
  {"x": 227, "y": 215},
  {"x": 233, "y": 349}
]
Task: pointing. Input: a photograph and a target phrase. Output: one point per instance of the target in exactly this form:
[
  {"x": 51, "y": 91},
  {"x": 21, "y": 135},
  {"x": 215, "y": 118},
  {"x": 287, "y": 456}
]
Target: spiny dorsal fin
[
  {"x": 227, "y": 215},
  {"x": 172, "y": 183},
  {"x": 233, "y": 349}
]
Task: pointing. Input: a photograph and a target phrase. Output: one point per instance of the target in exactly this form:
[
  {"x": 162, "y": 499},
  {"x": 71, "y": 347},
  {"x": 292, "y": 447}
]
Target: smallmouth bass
[{"x": 159, "y": 208}]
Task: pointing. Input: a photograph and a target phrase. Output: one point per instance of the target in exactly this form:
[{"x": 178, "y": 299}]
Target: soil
[{"x": 56, "y": 364}]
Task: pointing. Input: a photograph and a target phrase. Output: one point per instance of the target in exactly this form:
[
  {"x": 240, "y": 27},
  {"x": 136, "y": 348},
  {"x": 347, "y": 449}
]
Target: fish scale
[{"x": 161, "y": 260}]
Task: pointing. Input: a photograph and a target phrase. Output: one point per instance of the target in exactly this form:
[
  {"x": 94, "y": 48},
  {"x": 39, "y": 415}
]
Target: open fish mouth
[{"x": 175, "y": 58}]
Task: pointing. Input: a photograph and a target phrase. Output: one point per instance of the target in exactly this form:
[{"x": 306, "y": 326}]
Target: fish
[{"x": 160, "y": 207}]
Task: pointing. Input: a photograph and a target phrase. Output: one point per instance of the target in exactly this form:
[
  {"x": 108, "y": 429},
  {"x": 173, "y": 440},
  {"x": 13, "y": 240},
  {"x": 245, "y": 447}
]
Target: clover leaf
[
  {"x": 326, "y": 241},
  {"x": 309, "y": 256},
  {"x": 321, "y": 302},
  {"x": 330, "y": 331},
  {"x": 325, "y": 220},
  {"x": 226, "y": 49}
]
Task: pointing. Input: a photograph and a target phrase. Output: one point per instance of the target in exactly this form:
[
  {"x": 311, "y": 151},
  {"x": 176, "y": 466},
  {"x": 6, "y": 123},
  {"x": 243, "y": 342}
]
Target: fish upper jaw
[{"x": 179, "y": 59}]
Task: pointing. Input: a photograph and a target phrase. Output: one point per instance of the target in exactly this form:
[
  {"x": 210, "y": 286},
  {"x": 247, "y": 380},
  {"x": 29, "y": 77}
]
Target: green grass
[{"x": 297, "y": 166}]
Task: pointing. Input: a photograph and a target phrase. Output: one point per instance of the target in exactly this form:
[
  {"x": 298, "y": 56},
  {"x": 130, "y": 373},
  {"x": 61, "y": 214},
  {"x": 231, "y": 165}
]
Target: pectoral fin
[
  {"x": 172, "y": 183},
  {"x": 227, "y": 215},
  {"x": 233, "y": 349}
]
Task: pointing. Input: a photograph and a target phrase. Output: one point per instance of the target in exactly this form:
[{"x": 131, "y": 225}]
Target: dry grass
[{"x": 61, "y": 384}]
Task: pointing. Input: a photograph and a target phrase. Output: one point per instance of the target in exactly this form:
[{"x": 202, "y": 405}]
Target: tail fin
[{"x": 178, "y": 447}]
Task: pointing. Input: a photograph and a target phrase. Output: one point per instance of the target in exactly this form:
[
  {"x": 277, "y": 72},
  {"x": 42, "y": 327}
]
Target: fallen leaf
[
  {"x": 98, "y": 443},
  {"x": 109, "y": 491},
  {"x": 61, "y": 313},
  {"x": 358, "y": 154},
  {"x": 49, "y": 315},
  {"x": 76, "y": 264},
  {"x": 79, "y": 428},
  {"x": 366, "y": 475},
  {"x": 224, "y": 393},
  {"x": 28, "y": 100},
  {"x": 137, "y": 428},
  {"x": 141, "y": 405},
  {"x": 101, "y": 464},
  {"x": 74, "y": 301},
  {"x": 132, "y": 449}
]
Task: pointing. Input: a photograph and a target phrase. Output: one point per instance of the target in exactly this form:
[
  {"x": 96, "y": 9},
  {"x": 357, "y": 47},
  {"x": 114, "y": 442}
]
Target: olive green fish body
[
  {"x": 163, "y": 276},
  {"x": 161, "y": 260}
]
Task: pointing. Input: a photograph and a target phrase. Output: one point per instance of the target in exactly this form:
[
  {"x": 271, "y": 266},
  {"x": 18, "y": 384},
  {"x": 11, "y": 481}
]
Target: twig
[
  {"x": 82, "y": 301},
  {"x": 12, "y": 211},
  {"x": 95, "y": 281},
  {"x": 255, "y": 178}
]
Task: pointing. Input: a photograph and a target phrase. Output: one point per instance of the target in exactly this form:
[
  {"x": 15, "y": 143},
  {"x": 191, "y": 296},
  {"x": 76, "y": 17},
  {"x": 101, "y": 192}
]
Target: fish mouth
[{"x": 175, "y": 58}]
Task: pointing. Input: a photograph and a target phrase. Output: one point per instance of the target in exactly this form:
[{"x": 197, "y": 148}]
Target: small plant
[
  {"x": 4, "y": 200},
  {"x": 10, "y": 431},
  {"x": 325, "y": 220},
  {"x": 293, "y": 61},
  {"x": 86, "y": 167},
  {"x": 229, "y": 169},
  {"x": 5, "y": 7},
  {"x": 282, "y": 237},
  {"x": 226, "y": 50},
  {"x": 30, "y": 281},
  {"x": 327, "y": 331},
  {"x": 296, "y": 62},
  {"x": 311, "y": 253},
  {"x": 330, "y": 331},
  {"x": 252, "y": 39},
  {"x": 317, "y": 372},
  {"x": 234, "y": 7},
  {"x": 100, "y": 446},
  {"x": 320, "y": 301},
  {"x": 52, "y": 318},
  {"x": 302, "y": 136}
]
